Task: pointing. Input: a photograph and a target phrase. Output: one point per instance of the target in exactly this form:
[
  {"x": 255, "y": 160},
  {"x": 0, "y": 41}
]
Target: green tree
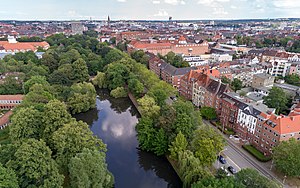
[
  {"x": 119, "y": 92},
  {"x": 26, "y": 123},
  {"x": 293, "y": 79},
  {"x": 160, "y": 142},
  {"x": 8, "y": 178},
  {"x": 54, "y": 117},
  {"x": 160, "y": 92},
  {"x": 38, "y": 96},
  {"x": 145, "y": 133},
  {"x": 206, "y": 144},
  {"x": 100, "y": 80},
  {"x": 135, "y": 86},
  {"x": 71, "y": 139},
  {"x": 276, "y": 99},
  {"x": 34, "y": 166},
  {"x": 286, "y": 159},
  {"x": 117, "y": 74},
  {"x": 80, "y": 71},
  {"x": 82, "y": 97},
  {"x": 11, "y": 86},
  {"x": 183, "y": 123},
  {"x": 35, "y": 80},
  {"x": 89, "y": 170},
  {"x": 191, "y": 169},
  {"x": 178, "y": 145},
  {"x": 211, "y": 182},
  {"x": 251, "y": 178},
  {"x": 140, "y": 56},
  {"x": 51, "y": 59},
  {"x": 148, "y": 107},
  {"x": 236, "y": 84},
  {"x": 113, "y": 56},
  {"x": 208, "y": 113},
  {"x": 225, "y": 80}
]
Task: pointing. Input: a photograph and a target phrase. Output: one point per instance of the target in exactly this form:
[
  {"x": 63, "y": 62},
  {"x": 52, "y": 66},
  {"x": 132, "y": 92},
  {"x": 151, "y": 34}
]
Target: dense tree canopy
[
  {"x": 276, "y": 99},
  {"x": 8, "y": 178},
  {"x": 178, "y": 145},
  {"x": 208, "y": 113},
  {"x": 82, "y": 97},
  {"x": 71, "y": 139},
  {"x": 175, "y": 60},
  {"x": 206, "y": 144},
  {"x": 148, "y": 107},
  {"x": 43, "y": 135},
  {"x": 26, "y": 123},
  {"x": 89, "y": 170},
  {"x": 251, "y": 178},
  {"x": 293, "y": 79},
  {"x": 34, "y": 166},
  {"x": 286, "y": 157}
]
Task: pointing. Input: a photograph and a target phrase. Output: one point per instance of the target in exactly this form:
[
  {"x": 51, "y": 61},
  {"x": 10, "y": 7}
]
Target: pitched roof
[
  {"x": 12, "y": 97},
  {"x": 5, "y": 118}
]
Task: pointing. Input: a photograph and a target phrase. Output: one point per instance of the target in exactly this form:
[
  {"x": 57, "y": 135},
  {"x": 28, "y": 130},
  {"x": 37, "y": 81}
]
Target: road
[{"x": 237, "y": 157}]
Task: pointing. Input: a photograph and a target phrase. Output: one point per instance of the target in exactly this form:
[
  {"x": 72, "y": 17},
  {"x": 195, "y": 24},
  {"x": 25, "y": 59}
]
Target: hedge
[{"x": 257, "y": 154}]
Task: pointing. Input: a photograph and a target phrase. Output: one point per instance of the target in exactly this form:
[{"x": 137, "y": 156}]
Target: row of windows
[{"x": 10, "y": 102}]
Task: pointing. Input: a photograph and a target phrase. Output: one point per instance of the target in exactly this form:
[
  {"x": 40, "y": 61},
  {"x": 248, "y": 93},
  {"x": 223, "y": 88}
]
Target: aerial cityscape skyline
[{"x": 148, "y": 9}]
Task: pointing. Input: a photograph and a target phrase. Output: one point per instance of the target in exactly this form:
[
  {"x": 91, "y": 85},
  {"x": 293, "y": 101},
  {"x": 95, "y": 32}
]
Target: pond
[{"x": 114, "y": 121}]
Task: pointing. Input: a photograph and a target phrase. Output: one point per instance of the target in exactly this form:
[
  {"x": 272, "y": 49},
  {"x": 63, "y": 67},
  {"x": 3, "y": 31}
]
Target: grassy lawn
[
  {"x": 257, "y": 154},
  {"x": 4, "y": 136}
]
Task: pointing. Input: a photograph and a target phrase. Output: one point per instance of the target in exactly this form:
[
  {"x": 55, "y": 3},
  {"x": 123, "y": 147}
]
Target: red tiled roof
[
  {"x": 152, "y": 45},
  {"x": 23, "y": 45},
  {"x": 5, "y": 118},
  {"x": 284, "y": 124},
  {"x": 11, "y": 97}
]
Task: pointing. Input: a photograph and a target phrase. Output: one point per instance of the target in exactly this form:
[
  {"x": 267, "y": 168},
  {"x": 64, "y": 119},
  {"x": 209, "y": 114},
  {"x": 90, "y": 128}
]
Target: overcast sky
[{"x": 147, "y": 9}]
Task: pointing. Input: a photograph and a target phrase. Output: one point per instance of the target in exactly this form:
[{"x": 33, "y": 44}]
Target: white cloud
[
  {"x": 156, "y": 2},
  {"x": 161, "y": 13},
  {"x": 175, "y": 2},
  {"x": 288, "y": 4},
  {"x": 219, "y": 11},
  {"x": 233, "y": 7},
  {"x": 211, "y": 2},
  {"x": 122, "y": 1}
]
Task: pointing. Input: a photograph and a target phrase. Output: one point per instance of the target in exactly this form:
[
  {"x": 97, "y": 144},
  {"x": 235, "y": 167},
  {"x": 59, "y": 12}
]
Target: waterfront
[{"x": 114, "y": 120}]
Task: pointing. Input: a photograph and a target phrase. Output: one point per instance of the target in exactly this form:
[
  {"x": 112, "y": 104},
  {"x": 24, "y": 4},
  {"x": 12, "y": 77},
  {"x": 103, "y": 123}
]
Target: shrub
[
  {"x": 119, "y": 92},
  {"x": 257, "y": 154}
]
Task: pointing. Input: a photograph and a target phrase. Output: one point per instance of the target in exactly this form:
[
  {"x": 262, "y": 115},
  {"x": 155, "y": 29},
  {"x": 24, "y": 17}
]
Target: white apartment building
[{"x": 279, "y": 67}]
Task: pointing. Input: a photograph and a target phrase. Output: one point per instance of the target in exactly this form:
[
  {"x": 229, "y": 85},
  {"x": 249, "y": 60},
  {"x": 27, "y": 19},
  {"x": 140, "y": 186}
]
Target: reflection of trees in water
[
  {"x": 89, "y": 117},
  {"x": 118, "y": 105},
  {"x": 160, "y": 166}
]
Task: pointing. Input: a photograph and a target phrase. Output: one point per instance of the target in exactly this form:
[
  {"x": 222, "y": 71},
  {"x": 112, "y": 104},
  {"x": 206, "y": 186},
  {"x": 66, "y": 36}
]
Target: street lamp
[
  {"x": 219, "y": 155},
  {"x": 284, "y": 179}
]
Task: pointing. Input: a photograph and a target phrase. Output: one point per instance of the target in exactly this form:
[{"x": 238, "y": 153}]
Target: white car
[{"x": 234, "y": 137}]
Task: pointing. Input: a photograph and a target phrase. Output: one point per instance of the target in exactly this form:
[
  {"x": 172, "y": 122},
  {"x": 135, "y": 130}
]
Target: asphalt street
[{"x": 237, "y": 157}]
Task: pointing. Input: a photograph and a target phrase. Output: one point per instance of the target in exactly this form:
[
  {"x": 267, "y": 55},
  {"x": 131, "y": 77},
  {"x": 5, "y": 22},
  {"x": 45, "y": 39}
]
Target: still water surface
[{"x": 114, "y": 120}]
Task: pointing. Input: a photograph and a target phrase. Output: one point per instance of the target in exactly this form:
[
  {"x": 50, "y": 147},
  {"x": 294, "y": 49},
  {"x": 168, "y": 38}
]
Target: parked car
[
  {"x": 235, "y": 137},
  {"x": 222, "y": 159},
  {"x": 225, "y": 170},
  {"x": 173, "y": 98},
  {"x": 232, "y": 170}
]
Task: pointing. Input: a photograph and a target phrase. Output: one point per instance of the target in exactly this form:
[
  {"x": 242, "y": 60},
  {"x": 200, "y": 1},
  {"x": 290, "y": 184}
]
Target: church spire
[{"x": 108, "y": 21}]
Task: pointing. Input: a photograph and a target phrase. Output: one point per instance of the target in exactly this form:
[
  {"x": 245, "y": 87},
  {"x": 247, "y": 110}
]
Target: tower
[{"x": 108, "y": 21}]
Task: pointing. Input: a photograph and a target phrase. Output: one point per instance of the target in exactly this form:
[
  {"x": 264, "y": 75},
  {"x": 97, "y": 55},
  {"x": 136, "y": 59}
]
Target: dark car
[
  {"x": 222, "y": 159},
  {"x": 232, "y": 170}
]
